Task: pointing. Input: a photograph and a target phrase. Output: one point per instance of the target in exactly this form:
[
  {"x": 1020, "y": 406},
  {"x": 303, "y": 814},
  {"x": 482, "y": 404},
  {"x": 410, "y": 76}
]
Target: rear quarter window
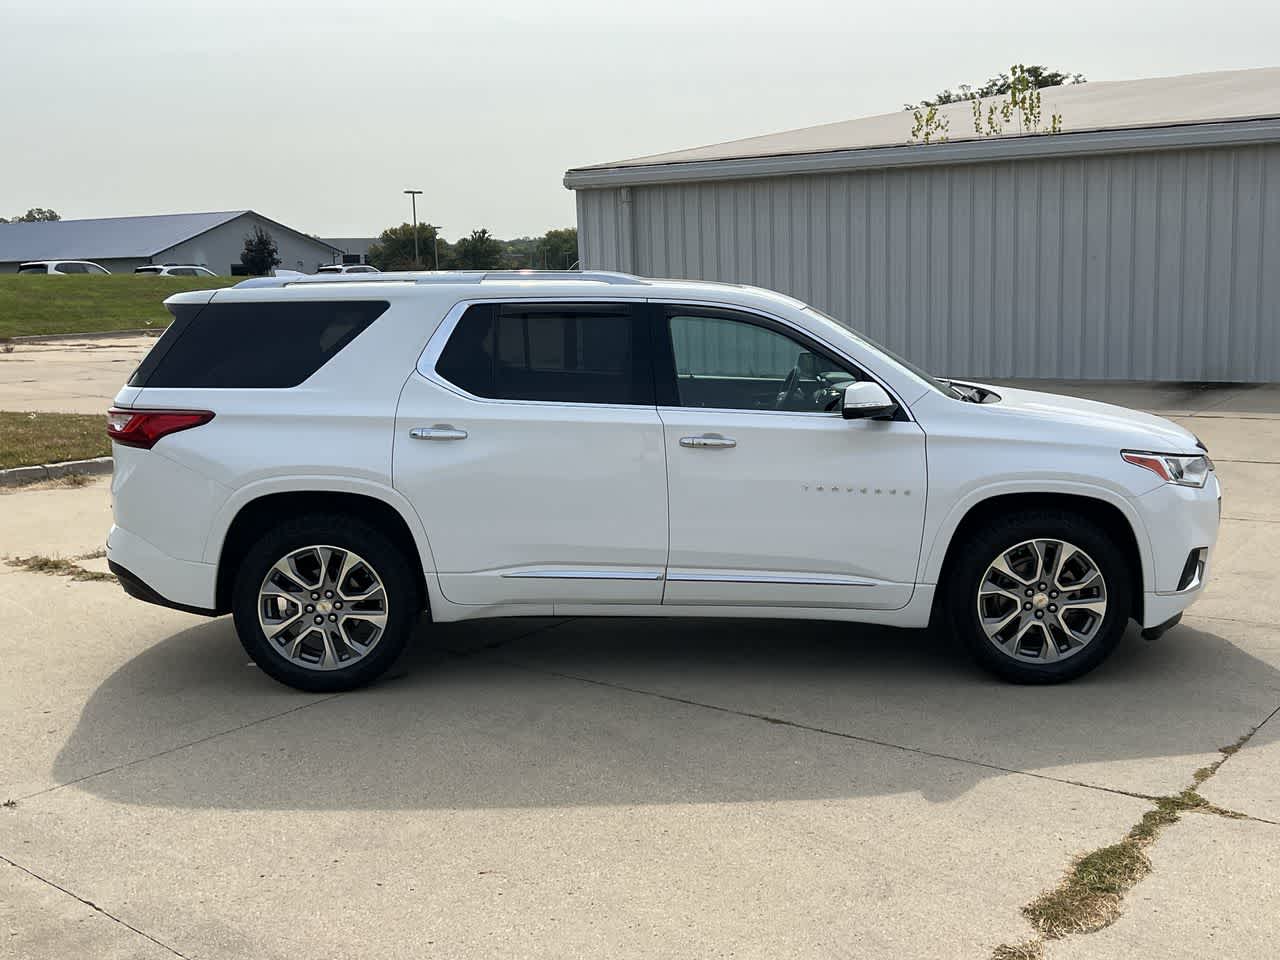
[
  {"x": 253, "y": 345},
  {"x": 559, "y": 353}
]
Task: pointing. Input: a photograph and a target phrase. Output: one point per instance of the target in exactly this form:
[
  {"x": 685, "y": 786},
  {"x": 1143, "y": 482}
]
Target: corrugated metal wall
[{"x": 1160, "y": 265}]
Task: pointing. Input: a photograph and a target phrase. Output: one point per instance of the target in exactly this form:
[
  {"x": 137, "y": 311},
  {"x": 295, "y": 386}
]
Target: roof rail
[
  {"x": 448, "y": 276},
  {"x": 596, "y": 276}
]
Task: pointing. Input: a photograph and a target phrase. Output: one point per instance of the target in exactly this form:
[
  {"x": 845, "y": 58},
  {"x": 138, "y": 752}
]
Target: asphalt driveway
[{"x": 589, "y": 788}]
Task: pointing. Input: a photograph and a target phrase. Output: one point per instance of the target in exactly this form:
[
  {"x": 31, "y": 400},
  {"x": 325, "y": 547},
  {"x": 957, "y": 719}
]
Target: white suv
[
  {"x": 62, "y": 267},
  {"x": 174, "y": 270},
  {"x": 346, "y": 268},
  {"x": 330, "y": 458}
]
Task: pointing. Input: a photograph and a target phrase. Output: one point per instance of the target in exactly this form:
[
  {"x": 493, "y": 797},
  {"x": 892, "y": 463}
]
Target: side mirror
[{"x": 866, "y": 401}]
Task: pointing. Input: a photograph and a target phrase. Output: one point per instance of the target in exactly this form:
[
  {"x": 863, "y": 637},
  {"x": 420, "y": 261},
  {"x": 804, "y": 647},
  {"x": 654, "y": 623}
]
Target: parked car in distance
[
  {"x": 61, "y": 267},
  {"x": 328, "y": 460},
  {"x": 175, "y": 270},
  {"x": 347, "y": 268}
]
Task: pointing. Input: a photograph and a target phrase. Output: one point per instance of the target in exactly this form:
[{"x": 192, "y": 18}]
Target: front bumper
[{"x": 1179, "y": 521}]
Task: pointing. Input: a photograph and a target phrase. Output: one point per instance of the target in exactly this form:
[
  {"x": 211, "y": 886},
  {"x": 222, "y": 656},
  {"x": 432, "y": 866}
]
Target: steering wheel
[{"x": 790, "y": 389}]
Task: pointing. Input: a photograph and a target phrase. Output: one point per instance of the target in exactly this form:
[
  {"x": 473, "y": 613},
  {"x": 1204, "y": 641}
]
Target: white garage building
[
  {"x": 1142, "y": 242},
  {"x": 212, "y": 240}
]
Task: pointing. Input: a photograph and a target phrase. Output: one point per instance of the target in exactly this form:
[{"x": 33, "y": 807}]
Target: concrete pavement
[
  {"x": 68, "y": 376},
  {"x": 574, "y": 788}
]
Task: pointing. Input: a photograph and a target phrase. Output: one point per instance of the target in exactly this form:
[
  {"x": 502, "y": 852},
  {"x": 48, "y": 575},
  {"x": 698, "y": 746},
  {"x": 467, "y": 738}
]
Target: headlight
[{"x": 1179, "y": 468}]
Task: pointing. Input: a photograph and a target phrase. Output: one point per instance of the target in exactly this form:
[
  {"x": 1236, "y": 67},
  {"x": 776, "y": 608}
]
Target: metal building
[
  {"x": 119, "y": 244},
  {"x": 1142, "y": 242}
]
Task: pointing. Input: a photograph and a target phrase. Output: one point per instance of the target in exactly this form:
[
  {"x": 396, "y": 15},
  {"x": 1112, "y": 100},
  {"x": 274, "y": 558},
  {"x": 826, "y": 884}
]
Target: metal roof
[
  {"x": 1106, "y": 115},
  {"x": 109, "y": 238}
]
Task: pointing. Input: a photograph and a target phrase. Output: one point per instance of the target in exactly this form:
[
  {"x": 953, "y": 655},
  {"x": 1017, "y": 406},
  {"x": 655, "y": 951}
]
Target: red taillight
[{"x": 145, "y": 428}]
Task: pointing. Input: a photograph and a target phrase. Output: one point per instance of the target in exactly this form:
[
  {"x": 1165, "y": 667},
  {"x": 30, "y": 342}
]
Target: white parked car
[
  {"x": 345, "y": 268},
  {"x": 175, "y": 270},
  {"x": 61, "y": 267},
  {"x": 329, "y": 459}
]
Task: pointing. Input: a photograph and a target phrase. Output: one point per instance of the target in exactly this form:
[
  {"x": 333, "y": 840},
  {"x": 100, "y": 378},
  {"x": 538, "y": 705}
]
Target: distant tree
[
  {"x": 479, "y": 251},
  {"x": 1000, "y": 84},
  {"x": 34, "y": 215},
  {"x": 260, "y": 253},
  {"x": 559, "y": 248},
  {"x": 522, "y": 253},
  {"x": 393, "y": 250}
]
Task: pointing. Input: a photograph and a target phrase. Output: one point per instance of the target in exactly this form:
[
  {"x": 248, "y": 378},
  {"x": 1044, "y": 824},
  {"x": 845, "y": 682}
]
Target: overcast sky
[{"x": 319, "y": 114}]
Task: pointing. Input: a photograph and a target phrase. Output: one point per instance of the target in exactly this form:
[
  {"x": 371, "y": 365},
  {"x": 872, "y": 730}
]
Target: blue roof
[{"x": 107, "y": 238}]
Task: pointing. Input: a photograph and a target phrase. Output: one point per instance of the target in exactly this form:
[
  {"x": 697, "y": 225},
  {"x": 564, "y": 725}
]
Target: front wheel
[
  {"x": 325, "y": 602},
  {"x": 1040, "y": 596}
]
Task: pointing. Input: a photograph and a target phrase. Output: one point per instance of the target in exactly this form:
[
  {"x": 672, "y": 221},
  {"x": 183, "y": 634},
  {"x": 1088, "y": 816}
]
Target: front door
[
  {"x": 530, "y": 445},
  {"x": 775, "y": 499}
]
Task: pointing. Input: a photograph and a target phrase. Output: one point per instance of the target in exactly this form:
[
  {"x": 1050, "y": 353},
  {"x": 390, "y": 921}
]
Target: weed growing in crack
[
  {"x": 1089, "y": 897},
  {"x": 1026, "y": 950},
  {"x": 58, "y": 567}
]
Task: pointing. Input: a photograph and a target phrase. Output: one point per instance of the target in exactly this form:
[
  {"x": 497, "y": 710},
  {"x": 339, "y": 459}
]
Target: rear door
[
  {"x": 775, "y": 498},
  {"x": 529, "y": 442}
]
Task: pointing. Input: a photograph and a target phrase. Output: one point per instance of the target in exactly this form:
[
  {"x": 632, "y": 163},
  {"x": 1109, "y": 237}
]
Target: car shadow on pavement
[{"x": 516, "y": 713}]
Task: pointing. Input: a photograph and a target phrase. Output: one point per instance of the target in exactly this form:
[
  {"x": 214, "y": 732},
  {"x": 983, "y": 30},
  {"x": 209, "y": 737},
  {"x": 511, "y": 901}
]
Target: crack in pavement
[
  {"x": 779, "y": 721},
  {"x": 1091, "y": 895},
  {"x": 250, "y": 723},
  {"x": 1208, "y": 616},
  {"x": 826, "y": 731},
  {"x": 182, "y": 746},
  {"x": 89, "y": 903}
]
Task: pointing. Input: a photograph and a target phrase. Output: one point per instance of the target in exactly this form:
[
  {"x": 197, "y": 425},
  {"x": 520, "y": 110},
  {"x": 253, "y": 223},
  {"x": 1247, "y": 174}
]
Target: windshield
[{"x": 941, "y": 386}]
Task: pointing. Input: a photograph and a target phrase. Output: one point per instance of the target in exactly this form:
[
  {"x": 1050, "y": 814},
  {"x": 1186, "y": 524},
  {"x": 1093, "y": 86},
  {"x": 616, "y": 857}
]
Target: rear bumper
[
  {"x": 135, "y": 587},
  {"x": 149, "y": 574}
]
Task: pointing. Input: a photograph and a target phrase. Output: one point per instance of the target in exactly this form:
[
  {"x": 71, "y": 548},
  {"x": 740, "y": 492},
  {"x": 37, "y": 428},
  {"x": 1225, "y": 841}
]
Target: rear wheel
[
  {"x": 1040, "y": 596},
  {"x": 325, "y": 602}
]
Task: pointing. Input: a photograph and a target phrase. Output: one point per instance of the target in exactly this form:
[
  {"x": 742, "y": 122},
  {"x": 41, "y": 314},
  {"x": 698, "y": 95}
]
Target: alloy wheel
[
  {"x": 322, "y": 607},
  {"x": 1042, "y": 601}
]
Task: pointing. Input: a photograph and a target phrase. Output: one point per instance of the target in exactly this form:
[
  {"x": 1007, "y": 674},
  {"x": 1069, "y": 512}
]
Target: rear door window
[
  {"x": 243, "y": 345},
  {"x": 560, "y": 353}
]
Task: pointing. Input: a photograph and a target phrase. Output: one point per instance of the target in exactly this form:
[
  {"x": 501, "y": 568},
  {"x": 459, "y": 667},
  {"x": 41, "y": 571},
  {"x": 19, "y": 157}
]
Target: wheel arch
[
  {"x": 1113, "y": 516},
  {"x": 243, "y": 521}
]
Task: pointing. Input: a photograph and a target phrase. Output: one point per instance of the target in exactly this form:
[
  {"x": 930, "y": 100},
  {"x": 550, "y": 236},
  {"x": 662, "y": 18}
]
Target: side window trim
[{"x": 430, "y": 356}]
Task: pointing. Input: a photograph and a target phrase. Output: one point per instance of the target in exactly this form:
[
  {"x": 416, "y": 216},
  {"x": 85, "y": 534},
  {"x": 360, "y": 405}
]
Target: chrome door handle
[
  {"x": 708, "y": 440},
  {"x": 440, "y": 431}
]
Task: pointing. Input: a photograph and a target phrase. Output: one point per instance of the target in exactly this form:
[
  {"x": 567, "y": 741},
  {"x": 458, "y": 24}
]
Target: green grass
[
  {"x": 31, "y": 305},
  {"x": 29, "y": 439}
]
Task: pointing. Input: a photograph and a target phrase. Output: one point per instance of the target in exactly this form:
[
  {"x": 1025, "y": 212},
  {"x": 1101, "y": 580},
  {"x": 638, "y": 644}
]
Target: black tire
[
  {"x": 980, "y": 548},
  {"x": 404, "y": 601}
]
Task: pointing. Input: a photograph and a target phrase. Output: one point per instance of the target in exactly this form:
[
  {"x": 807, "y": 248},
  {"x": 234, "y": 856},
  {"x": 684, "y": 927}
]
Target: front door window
[{"x": 732, "y": 364}]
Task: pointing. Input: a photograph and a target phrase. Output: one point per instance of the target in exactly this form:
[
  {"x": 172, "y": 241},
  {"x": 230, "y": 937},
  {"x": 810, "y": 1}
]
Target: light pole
[{"x": 413, "y": 204}]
